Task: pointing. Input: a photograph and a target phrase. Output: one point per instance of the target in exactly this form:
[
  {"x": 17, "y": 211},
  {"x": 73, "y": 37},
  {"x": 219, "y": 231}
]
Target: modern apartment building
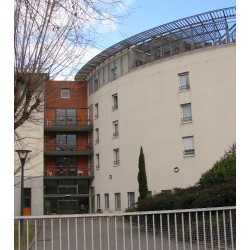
[{"x": 170, "y": 90}]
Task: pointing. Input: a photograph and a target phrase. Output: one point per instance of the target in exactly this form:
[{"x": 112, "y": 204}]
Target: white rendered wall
[{"x": 149, "y": 115}]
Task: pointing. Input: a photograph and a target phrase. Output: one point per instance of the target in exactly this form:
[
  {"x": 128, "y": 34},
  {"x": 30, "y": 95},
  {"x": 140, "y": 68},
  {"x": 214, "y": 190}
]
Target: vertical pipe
[
  {"x": 84, "y": 235},
  {"x": 231, "y": 230},
  {"x": 224, "y": 226},
  {"x": 175, "y": 228},
  {"x": 204, "y": 230},
  {"x": 131, "y": 232},
  {"x": 169, "y": 242},
  {"x": 146, "y": 228},
  {"x": 35, "y": 234},
  {"x": 211, "y": 230},
  {"x": 115, "y": 234},
  {"x": 51, "y": 232},
  {"x": 108, "y": 232},
  {"x": 190, "y": 230},
  {"x": 197, "y": 231},
  {"x": 43, "y": 234},
  {"x": 161, "y": 232},
  {"x": 27, "y": 233},
  {"x": 76, "y": 227},
  {"x": 60, "y": 234},
  {"x": 68, "y": 234},
  {"x": 183, "y": 230},
  {"x": 123, "y": 233},
  {"x": 92, "y": 233},
  {"x": 154, "y": 231},
  {"x": 218, "y": 229},
  {"x": 139, "y": 232},
  {"x": 100, "y": 232},
  {"x": 19, "y": 234}
]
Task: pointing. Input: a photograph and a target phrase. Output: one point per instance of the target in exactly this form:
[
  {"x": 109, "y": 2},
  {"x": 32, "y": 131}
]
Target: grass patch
[{"x": 23, "y": 237}]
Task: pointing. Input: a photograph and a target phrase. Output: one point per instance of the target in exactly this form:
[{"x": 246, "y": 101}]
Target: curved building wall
[{"x": 149, "y": 114}]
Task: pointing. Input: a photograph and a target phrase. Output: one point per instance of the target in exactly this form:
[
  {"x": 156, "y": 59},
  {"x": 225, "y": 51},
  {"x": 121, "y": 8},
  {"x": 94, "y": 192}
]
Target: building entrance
[{"x": 67, "y": 206}]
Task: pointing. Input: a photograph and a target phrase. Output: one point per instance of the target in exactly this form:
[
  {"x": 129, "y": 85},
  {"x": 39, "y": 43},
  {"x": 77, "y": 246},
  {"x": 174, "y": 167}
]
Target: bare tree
[{"x": 49, "y": 37}]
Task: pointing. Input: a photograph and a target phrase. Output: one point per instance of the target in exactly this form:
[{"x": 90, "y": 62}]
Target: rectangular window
[
  {"x": 115, "y": 129},
  {"x": 98, "y": 201},
  {"x": 131, "y": 199},
  {"x": 97, "y": 161},
  {"x": 188, "y": 143},
  {"x": 66, "y": 142},
  {"x": 65, "y": 93},
  {"x": 115, "y": 101},
  {"x": 186, "y": 113},
  {"x": 96, "y": 111},
  {"x": 96, "y": 84},
  {"x": 66, "y": 166},
  {"x": 117, "y": 201},
  {"x": 184, "y": 81},
  {"x": 27, "y": 197},
  {"x": 116, "y": 156},
  {"x": 113, "y": 73},
  {"x": 96, "y": 135},
  {"x": 106, "y": 197},
  {"x": 65, "y": 117}
]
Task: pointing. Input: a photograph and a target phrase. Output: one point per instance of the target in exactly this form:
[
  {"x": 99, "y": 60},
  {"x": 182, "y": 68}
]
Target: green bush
[{"x": 223, "y": 170}]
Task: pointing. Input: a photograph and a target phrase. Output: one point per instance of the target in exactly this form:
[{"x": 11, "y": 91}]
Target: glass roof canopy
[{"x": 213, "y": 28}]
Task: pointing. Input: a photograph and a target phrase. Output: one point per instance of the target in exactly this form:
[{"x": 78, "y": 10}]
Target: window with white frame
[
  {"x": 97, "y": 158},
  {"x": 115, "y": 129},
  {"x": 106, "y": 199},
  {"x": 188, "y": 143},
  {"x": 117, "y": 201},
  {"x": 96, "y": 111},
  {"x": 184, "y": 81},
  {"x": 96, "y": 84},
  {"x": 98, "y": 201},
  {"x": 115, "y": 102},
  {"x": 113, "y": 73},
  {"x": 96, "y": 135},
  {"x": 65, "y": 93},
  {"x": 131, "y": 199},
  {"x": 186, "y": 113},
  {"x": 116, "y": 156}
]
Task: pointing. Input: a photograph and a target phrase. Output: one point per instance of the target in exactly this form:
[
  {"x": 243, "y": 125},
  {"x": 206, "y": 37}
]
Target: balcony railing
[
  {"x": 184, "y": 88},
  {"x": 69, "y": 146},
  {"x": 68, "y": 171},
  {"x": 202, "y": 228},
  {"x": 186, "y": 119},
  {"x": 115, "y": 134},
  {"x": 188, "y": 152},
  {"x": 117, "y": 162}
]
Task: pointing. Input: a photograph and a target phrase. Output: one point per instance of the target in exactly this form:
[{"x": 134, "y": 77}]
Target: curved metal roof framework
[{"x": 206, "y": 29}]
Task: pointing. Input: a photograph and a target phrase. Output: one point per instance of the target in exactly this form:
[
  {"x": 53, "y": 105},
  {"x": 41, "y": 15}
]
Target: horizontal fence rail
[{"x": 208, "y": 228}]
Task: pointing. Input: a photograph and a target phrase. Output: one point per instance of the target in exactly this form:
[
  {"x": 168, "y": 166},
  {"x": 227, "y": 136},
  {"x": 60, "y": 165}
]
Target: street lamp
[{"x": 22, "y": 153}]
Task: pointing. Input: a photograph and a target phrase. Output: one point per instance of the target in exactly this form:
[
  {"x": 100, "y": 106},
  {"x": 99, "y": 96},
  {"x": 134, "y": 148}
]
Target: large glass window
[
  {"x": 98, "y": 201},
  {"x": 115, "y": 101},
  {"x": 66, "y": 117},
  {"x": 188, "y": 143},
  {"x": 117, "y": 201},
  {"x": 106, "y": 197},
  {"x": 66, "y": 166},
  {"x": 116, "y": 129},
  {"x": 186, "y": 113},
  {"x": 131, "y": 199},
  {"x": 116, "y": 156},
  {"x": 66, "y": 142},
  {"x": 184, "y": 81}
]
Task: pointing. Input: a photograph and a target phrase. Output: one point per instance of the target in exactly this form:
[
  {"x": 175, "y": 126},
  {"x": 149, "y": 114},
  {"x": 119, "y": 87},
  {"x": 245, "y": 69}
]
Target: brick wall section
[{"x": 78, "y": 94}]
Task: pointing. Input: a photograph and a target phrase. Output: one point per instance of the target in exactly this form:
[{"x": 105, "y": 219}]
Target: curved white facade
[{"x": 149, "y": 114}]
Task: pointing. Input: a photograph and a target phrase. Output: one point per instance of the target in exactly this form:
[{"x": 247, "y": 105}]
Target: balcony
[
  {"x": 69, "y": 148},
  {"x": 186, "y": 119},
  {"x": 188, "y": 152},
  {"x": 68, "y": 172},
  {"x": 68, "y": 123}
]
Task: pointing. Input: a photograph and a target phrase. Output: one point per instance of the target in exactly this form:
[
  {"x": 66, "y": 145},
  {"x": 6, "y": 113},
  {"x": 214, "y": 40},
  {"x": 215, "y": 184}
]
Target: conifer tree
[{"x": 142, "y": 177}]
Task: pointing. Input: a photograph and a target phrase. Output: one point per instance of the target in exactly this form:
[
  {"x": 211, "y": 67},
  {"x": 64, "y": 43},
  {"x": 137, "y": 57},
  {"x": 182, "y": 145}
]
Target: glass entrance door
[{"x": 67, "y": 206}]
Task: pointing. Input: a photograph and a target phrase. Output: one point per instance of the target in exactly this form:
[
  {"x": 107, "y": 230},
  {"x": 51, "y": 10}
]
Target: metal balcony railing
[
  {"x": 68, "y": 121},
  {"x": 68, "y": 171},
  {"x": 183, "y": 88},
  {"x": 203, "y": 228},
  {"x": 69, "y": 146},
  {"x": 115, "y": 134},
  {"x": 186, "y": 119},
  {"x": 188, "y": 152},
  {"x": 117, "y": 162}
]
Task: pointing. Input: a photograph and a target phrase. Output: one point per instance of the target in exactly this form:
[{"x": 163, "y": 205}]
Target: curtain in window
[{"x": 188, "y": 143}]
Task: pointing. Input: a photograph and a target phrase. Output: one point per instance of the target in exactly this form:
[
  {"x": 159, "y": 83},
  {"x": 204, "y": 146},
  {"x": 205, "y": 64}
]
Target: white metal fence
[{"x": 209, "y": 228}]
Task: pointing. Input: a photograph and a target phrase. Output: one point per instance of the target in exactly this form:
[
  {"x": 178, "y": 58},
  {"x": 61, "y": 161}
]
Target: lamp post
[{"x": 22, "y": 153}]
